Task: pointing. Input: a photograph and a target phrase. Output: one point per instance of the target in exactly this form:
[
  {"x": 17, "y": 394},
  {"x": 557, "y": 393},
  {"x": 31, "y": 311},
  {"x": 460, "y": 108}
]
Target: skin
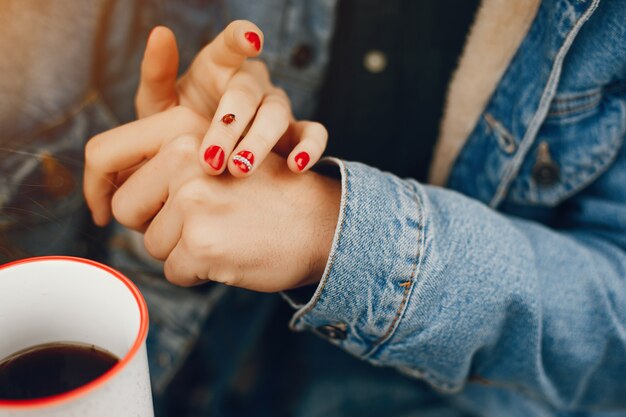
[
  {"x": 270, "y": 232},
  {"x": 221, "y": 81}
]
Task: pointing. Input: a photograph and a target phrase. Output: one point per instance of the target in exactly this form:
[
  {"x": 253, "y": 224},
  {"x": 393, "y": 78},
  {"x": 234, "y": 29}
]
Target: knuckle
[
  {"x": 180, "y": 153},
  {"x": 197, "y": 242},
  {"x": 189, "y": 195},
  {"x": 231, "y": 281},
  {"x": 93, "y": 152},
  {"x": 258, "y": 68},
  {"x": 228, "y": 277},
  {"x": 241, "y": 95},
  {"x": 243, "y": 80},
  {"x": 170, "y": 273},
  {"x": 188, "y": 117},
  {"x": 182, "y": 147},
  {"x": 120, "y": 209},
  {"x": 278, "y": 110},
  {"x": 150, "y": 242},
  {"x": 265, "y": 140}
]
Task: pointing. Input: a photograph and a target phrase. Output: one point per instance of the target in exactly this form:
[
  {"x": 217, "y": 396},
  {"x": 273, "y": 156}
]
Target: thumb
[{"x": 159, "y": 69}]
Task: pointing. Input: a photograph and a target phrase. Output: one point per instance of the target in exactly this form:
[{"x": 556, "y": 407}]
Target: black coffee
[{"x": 53, "y": 368}]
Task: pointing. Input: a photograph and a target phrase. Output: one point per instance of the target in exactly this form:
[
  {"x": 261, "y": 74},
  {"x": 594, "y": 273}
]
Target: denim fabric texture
[
  {"x": 88, "y": 88},
  {"x": 499, "y": 296},
  {"x": 510, "y": 283}
]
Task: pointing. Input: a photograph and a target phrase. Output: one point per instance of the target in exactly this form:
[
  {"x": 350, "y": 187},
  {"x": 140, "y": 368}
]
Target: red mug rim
[{"x": 92, "y": 385}]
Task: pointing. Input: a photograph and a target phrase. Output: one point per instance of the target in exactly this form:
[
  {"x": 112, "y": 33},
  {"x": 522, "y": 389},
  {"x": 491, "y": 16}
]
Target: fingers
[
  {"x": 240, "y": 40},
  {"x": 236, "y": 109},
  {"x": 127, "y": 146},
  {"x": 270, "y": 123},
  {"x": 192, "y": 259},
  {"x": 165, "y": 231},
  {"x": 311, "y": 139},
  {"x": 159, "y": 70},
  {"x": 141, "y": 197},
  {"x": 180, "y": 268},
  {"x": 217, "y": 62},
  {"x": 185, "y": 261}
]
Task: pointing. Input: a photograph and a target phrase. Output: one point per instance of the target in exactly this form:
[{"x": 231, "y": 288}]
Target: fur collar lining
[{"x": 498, "y": 30}]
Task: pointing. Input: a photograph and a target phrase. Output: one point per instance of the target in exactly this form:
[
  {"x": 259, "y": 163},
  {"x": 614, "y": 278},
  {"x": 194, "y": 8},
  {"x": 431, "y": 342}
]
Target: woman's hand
[
  {"x": 235, "y": 94},
  {"x": 269, "y": 233}
]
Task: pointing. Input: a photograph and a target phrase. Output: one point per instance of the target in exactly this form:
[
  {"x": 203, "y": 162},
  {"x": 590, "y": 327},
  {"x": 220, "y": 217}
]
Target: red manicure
[
  {"x": 302, "y": 159},
  {"x": 228, "y": 118},
  {"x": 214, "y": 156},
  {"x": 254, "y": 39},
  {"x": 244, "y": 161}
]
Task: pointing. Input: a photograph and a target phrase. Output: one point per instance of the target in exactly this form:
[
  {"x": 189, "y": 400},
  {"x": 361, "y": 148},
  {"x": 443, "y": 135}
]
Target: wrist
[{"x": 324, "y": 215}]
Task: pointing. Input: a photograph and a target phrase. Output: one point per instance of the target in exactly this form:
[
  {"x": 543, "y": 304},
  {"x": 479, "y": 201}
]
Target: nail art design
[
  {"x": 244, "y": 160},
  {"x": 214, "y": 156},
  {"x": 254, "y": 39},
  {"x": 302, "y": 160},
  {"x": 228, "y": 118}
]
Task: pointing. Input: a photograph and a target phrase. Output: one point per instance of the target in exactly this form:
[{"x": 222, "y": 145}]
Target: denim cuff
[{"x": 363, "y": 293}]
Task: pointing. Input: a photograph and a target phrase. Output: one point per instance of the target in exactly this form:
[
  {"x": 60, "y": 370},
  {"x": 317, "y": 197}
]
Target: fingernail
[
  {"x": 228, "y": 118},
  {"x": 244, "y": 161},
  {"x": 214, "y": 156},
  {"x": 254, "y": 39},
  {"x": 302, "y": 159}
]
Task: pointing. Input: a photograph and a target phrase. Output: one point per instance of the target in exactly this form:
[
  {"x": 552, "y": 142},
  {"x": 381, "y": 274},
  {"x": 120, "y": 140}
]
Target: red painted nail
[
  {"x": 254, "y": 39},
  {"x": 228, "y": 118},
  {"x": 302, "y": 160},
  {"x": 214, "y": 156},
  {"x": 244, "y": 160}
]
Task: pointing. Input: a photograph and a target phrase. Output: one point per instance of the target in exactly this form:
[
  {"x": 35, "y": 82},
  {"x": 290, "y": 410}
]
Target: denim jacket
[
  {"x": 71, "y": 72},
  {"x": 508, "y": 289}
]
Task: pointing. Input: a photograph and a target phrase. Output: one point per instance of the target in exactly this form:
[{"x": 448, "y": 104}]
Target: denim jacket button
[
  {"x": 545, "y": 172},
  {"x": 302, "y": 56},
  {"x": 375, "y": 61},
  {"x": 337, "y": 331}
]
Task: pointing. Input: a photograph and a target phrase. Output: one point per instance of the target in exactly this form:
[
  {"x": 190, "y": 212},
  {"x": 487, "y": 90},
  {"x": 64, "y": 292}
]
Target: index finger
[
  {"x": 213, "y": 67},
  {"x": 240, "y": 40},
  {"x": 127, "y": 146}
]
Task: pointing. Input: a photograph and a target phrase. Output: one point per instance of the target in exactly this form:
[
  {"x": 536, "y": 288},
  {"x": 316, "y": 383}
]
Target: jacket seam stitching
[
  {"x": 407, "y": 284},
  {"x": 576, "y": 108},
  {"x": 567, "y": 97},
  {"x": 538, "y": 119}
]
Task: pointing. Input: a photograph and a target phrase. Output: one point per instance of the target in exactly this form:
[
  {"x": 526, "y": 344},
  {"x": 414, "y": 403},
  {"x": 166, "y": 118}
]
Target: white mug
[{"x": 65, "y": 299}]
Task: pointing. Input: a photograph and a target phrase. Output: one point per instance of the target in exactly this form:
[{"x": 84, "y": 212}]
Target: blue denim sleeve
[{"x": 445, "y": 289}]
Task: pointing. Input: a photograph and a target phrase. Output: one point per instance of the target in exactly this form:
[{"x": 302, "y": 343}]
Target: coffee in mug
[
  {"x": 52, "y": 368},
  {"x": 89, "y": 316}
]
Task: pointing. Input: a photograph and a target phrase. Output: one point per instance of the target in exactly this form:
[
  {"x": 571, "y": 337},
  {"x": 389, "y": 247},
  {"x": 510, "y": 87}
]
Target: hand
[
  {"x": 236, "y": 94},
  {"x": 269, "y": 233},
  {"x": 112, "y": 156}
]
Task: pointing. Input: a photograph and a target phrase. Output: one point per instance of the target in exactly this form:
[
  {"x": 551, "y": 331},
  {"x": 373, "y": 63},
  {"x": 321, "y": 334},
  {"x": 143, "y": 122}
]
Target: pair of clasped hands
[{"x": 215, "y": 171}]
